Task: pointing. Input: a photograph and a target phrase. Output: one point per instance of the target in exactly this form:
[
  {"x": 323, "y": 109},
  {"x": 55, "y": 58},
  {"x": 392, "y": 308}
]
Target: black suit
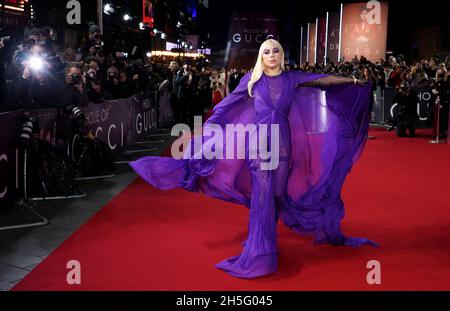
[{"x": 234, "y": 81}]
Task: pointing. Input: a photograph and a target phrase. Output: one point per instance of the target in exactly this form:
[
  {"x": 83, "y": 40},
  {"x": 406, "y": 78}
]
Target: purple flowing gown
[{"x": 323, "y": 130}]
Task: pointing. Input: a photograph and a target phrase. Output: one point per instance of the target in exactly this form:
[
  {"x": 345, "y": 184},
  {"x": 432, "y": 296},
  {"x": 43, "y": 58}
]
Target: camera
[
  {"x": 26, "y": 131},
  {"x": 112, "y": 76},
  {"x": 36, "y": 63},
  {"x": 91, "y": 77},
  {"x": 75, "y": 79},
  {"x": 77, "y": 116},
  {"x": 76, "y": 113}
]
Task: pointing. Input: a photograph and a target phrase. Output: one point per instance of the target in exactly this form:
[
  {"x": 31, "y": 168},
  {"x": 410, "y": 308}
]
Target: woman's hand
[{"x": 26, "y": 72}]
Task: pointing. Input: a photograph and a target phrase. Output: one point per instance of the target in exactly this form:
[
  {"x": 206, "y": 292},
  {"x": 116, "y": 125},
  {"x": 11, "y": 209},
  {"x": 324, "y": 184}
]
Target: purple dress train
[{"x": 323, "y": 129}]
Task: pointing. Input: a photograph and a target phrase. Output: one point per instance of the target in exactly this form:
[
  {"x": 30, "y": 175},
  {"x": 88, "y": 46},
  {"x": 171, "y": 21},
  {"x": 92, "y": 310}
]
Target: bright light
[
  {"x": 173, "y": 54},
  {"x": 191, "y": 47},
  {"x": 14, "y": 8},
  {"x": 141, "y": 26},
  {"x": 126, "y": 17},
  {"x": 163, "y": 35},
  {"x": 179, "y": 24},
  {"x": 155, "y": 30},
  {"x": 36, "y": 63},
  {"x": 149, "y": 54},
  {"x": 108, "y": 9}
]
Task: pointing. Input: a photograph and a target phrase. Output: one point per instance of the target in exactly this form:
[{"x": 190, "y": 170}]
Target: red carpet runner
[{"x": 146, "y": 239}]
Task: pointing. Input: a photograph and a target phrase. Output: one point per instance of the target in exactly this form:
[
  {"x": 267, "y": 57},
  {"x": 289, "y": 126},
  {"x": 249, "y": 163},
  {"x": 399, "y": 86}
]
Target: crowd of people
[
  {"x": 406, "y": 79},
  {"x": 37, "y": 74}
]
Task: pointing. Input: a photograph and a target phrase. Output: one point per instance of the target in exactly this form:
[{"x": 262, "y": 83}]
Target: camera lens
[
  {"x": 26, "y": 131},
  {"x": 75, "y": 78},
  {"x": 76, "y": 112}
]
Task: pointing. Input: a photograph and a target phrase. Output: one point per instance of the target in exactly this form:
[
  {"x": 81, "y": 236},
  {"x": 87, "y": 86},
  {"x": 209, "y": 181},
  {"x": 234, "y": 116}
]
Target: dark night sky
[{"x": 403, "y": 15}]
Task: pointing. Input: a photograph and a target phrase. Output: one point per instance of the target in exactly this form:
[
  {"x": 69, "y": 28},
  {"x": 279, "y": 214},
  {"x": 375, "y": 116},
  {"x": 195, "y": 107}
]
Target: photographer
[
  {"x": 72, "y": 98},
  {"x": 184, "y": 79},
  {"x": 93, "y": 85},
  {"x": 405, "y": 113},
  {"x": 125, "y": 89},
  {"x": 93, "y": 46},
  {"x": 36, "y": 87},
  {"x": 117, "y": 84},
  {"x": 45, "y": 40},
  {"x": 112, "y": 83},
  {"x": 139, "y": 80},
  {"x": 74, "y": 93}
]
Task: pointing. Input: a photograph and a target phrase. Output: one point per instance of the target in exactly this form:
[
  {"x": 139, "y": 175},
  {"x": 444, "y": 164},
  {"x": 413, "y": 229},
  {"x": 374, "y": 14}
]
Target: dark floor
[{"x": 23, "y": 249}]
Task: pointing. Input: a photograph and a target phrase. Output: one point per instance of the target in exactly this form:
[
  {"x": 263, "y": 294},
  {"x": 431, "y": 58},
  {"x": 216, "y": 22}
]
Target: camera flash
[{"x": 36, "y": 63}]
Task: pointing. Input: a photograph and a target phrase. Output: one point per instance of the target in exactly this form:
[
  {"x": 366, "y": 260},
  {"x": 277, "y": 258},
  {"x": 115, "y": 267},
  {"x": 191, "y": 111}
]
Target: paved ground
[{"x": 23, "y": 249}]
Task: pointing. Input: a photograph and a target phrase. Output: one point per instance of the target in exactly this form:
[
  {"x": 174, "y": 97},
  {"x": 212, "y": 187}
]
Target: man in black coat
[
  {"x": 405, "y": 112},
  {"x": 235, "y": 78}
]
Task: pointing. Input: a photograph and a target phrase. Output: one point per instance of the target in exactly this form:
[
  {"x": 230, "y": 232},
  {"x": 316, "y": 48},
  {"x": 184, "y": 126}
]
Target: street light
[
  {"x": 108, "y": 9},
  {"x": 126, "y": 17},
  {"x": 141, "y": 26}
]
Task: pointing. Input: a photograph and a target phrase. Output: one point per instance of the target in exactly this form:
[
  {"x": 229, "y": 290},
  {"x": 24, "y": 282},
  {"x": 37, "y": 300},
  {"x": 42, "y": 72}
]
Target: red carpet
[{"x": 146, "y": 239}]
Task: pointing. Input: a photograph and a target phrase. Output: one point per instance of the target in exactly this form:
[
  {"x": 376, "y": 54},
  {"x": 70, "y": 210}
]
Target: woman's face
[
  {"x": 272, "y": 57},
  {"x": 366, "y": 72}
]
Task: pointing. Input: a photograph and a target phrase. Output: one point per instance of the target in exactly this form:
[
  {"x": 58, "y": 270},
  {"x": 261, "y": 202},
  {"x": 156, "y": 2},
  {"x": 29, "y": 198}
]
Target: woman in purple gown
[{"x": 320, "y": 124}]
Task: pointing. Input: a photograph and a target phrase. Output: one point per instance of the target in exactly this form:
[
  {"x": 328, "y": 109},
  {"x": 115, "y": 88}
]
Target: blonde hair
[{"x": 259, "y": 66}]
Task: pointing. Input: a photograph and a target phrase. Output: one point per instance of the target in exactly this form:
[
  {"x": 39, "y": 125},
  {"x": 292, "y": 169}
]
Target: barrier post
[{"x": 437, "y": 140}]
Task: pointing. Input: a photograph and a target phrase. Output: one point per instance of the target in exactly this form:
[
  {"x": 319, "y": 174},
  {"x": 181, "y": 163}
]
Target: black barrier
[
  {"x": 11, "y": 160},
  {"x": 118, "y": 123},
  {"x": 424, "y": 107}
]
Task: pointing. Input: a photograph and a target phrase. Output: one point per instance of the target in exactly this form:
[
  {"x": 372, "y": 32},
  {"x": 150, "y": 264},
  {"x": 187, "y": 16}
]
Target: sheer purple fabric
[{"x": 323, "y": 130}]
